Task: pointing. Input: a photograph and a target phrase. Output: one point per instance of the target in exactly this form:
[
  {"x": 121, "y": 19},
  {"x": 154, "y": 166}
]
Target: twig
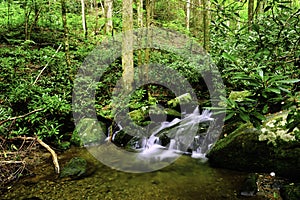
[
  {"x": 54, "y": 156},
  {"x": 47, "y": 64},
  {"x": 11, "y": 162},
  {"x": 21, "y": 116}
]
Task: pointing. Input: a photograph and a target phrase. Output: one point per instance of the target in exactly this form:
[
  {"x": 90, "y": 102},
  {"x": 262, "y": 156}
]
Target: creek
[
  {"x": 182, "y": 177},
  {"x": 185, "y": 179}
]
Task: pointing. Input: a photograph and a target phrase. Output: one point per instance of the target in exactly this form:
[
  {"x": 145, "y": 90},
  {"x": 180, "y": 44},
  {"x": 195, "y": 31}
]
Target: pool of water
[{"x": 185, "y": 179}]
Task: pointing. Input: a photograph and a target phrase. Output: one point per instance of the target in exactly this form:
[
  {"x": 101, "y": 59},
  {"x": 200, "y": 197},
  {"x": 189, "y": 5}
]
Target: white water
[
  {"x": 179, "y": 129},
  {"x": 152, "y": 148}
]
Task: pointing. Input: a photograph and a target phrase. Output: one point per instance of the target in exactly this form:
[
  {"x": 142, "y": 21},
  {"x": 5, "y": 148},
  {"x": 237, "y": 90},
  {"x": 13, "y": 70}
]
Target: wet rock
[
  {"x": 242, "y": 150},
  {"x": 249, "y": 187},
  {"x": 75, "y": 168}
]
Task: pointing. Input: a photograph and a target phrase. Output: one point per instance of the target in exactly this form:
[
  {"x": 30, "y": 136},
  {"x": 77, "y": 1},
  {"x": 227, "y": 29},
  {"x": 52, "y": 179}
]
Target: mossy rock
[
  {"x": 77, "y": 167},
  {"x": 242, "y": 150},
  {"x": 89, "y": 131}
]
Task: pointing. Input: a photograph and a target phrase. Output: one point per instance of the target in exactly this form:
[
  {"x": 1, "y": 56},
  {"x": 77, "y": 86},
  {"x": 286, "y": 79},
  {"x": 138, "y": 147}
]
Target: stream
[{"x": 184, "y": 179}]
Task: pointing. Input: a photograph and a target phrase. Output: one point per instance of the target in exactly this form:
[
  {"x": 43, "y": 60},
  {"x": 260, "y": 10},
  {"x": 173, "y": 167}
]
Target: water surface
[{"x": 185, "y": 179}]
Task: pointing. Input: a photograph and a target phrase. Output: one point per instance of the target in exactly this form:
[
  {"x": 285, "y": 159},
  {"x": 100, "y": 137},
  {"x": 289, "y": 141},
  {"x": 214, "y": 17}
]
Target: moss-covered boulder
[
  {"x": 245, "y": 150},
  {"x": 76, "y": 168},
  {"x": 88, "y": 132}
]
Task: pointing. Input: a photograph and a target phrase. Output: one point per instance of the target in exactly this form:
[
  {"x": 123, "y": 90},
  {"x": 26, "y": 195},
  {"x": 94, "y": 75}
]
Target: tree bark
[
  {"x": 250, "y": 13},
  {"x": 140, "y": 24},
  {"x": 206, "y": 24},
  {"x": 127, "y": 45},
  {"x": 83, "y": 19},
  {"x": 66, "y": 31},
  {"x": 188, "y": 14},
  {"x": 108, "y": 7}
]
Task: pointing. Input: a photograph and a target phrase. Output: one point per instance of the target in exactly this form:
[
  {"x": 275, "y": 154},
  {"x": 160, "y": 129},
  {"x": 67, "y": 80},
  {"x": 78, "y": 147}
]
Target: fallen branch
[
  {"x": 21, "y": 116},
  {"x": 47, "y": 64},
  {"x": 12, "y": 162},
  {"x": 54, "y": 156}
]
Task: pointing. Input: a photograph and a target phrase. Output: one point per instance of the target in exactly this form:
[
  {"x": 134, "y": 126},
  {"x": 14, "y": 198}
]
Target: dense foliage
[{"x": 261, "y": 60}]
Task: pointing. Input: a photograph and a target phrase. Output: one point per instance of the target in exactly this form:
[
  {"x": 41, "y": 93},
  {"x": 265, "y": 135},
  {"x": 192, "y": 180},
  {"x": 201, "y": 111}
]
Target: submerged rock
[
  {"x": 242, "y": 150},
  {"x": 75, "y": 168},
  {"x": 249, "y": 187}
]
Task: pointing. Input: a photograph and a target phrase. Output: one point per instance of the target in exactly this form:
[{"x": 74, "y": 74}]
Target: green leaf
[
  {"x": 284, "y": 89},
  {"x": 228, "y": 57},
  {"x": 289, "y": 81},
  {"x": 261, "y": 73},
  {"x": 284, "y": 7},
  {"x": 230, "y": 115},
  {"x": 259, "y": 116},
  {"x": 265, "y": 109},
  {"x": 275, "y": 90},
  {"x": 244, "y": 117}
]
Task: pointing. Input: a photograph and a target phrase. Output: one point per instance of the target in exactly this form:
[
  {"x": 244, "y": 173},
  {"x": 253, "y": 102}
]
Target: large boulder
[{"x": 250, "y": 149}]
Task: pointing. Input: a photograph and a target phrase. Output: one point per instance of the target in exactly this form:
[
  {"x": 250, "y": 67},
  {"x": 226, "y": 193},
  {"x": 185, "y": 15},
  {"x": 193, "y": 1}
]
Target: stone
[
  {"x": 243, "y": 150},
  {"x": 75, "y": 168},
  {"x": 249, "y": 187}
]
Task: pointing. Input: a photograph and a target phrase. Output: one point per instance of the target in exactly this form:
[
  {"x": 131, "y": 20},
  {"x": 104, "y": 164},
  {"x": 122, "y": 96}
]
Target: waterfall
[{"x": 178, "y": 131}]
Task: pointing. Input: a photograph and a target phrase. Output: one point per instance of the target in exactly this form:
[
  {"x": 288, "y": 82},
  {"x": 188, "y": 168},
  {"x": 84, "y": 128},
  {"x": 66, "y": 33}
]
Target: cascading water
[{"x": 178, "y": 132}]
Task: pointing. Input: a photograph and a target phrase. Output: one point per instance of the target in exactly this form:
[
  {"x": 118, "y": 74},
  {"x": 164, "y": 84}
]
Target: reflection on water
[{"x": 185, "y": 179}]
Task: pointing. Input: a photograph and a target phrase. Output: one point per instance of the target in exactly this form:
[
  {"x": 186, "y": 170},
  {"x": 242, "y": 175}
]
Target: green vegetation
[{"x": 39, "y": 61}]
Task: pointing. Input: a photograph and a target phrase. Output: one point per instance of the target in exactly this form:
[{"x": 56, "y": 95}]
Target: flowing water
[{"x": 185, "y": 179}]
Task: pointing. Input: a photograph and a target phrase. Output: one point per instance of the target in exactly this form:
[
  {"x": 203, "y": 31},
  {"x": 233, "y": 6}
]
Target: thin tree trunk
[
  {"x": 206, "y": 23},
  {"x": 259, "y": 8},
  {"x": 188, "y": 14},
  {"x": 83, "y": 19},
  {"x": 127, "y": 45},
  {"x": 27, "y": 13},
  {"x": 149, "y": 20},
  {"x": 66, "y": 31},
  {"x": 140, "y": 24},
  {"x": 108, "y": 7},
  {"x": 96, "y": 17},
  {"x": 250, "y": 13}
]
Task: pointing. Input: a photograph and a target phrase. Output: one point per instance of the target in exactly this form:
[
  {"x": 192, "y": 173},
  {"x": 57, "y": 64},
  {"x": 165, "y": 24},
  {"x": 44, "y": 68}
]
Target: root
[{"x": 54, "y": 156}]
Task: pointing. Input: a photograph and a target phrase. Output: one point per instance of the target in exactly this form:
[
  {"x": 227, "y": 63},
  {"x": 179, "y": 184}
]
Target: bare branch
[
  {"x": 21, "y": 116},
  {"x": 47, "y": 64}
]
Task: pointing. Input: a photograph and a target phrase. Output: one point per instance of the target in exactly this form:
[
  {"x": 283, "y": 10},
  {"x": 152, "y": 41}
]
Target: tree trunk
[
  {"x": 259, "y": 8},
  {"x": 140, "y": 24},
  {"x": 83, "y": 19},
  {"x": 149, "y": 21},
  {"x": 206, "y": 23},
  {"x": 250, "y": 13},
  {"x": 108, "y": 7},
  {"x": 188, "y": 14},
  {"x": 127, "y": 45},
  {"x": 66, "y": 31},
  {"x": 27, "y": 12}
]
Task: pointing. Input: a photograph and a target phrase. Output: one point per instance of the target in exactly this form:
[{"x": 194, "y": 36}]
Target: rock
[
  {"x": 290, "y": 192},
  {"x": 242, "y": 150},
  {"x": 88, "y": 132},
  {"x": 249, "y": 187},
  {"x": 75, "y": 168}
]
